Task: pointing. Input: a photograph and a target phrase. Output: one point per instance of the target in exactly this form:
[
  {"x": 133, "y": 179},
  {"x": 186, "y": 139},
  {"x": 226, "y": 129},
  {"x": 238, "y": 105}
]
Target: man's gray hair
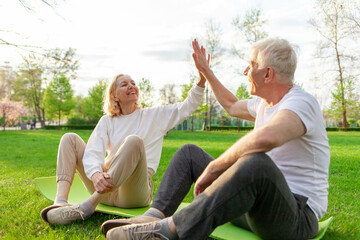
[{"x": 278, "y": 54}]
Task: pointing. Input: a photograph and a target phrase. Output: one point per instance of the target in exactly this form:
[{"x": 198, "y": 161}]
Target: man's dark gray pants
[{"x": 252, "y": 194}]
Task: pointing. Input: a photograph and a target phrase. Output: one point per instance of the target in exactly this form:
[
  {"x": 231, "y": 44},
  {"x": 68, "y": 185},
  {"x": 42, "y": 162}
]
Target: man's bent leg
[
  {"x": 253, "y": 186},
  {"x": 185, "y": 167}
]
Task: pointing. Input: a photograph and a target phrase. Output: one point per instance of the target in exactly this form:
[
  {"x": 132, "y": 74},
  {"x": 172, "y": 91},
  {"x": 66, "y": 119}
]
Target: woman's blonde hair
[{"x": 111, "y": 106}]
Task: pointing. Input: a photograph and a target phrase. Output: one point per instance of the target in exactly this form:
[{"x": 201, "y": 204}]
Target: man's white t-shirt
[{"x": 303, "y": 161}]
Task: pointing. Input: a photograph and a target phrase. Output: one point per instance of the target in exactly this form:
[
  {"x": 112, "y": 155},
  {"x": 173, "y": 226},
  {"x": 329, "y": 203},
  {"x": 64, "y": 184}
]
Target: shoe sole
[
  {"x": 106, "y": 226},
  {"x": 44, "y": 212}
]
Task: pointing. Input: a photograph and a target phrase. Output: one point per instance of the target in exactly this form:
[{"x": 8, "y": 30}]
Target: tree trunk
[
  {"x": 4, "y": 120},
  {"x": 206, "y": 104},
  {"x": 59, "y": 120},
  {"x": 42, "y": 120},
  {"x": 210, "y": 117},
  {"x": 341, "y": 79},
  {"x": 192, "y": 124}
]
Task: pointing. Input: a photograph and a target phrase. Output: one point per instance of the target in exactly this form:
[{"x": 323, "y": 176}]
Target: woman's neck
[{"x": 127, "y": 109}]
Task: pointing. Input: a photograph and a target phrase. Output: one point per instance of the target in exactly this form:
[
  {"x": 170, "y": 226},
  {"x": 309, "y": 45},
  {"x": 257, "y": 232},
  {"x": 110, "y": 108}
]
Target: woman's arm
[{"x": 94, "y": 155}]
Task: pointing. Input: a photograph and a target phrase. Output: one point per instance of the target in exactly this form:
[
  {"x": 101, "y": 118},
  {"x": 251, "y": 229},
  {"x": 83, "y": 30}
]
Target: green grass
[{"x": 25, "y": 155}]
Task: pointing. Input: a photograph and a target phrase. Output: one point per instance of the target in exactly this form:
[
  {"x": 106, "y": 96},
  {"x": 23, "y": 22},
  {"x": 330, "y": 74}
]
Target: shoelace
[
  {"x": 144, "y": 232},
  {"x": 73, "y": 212}
]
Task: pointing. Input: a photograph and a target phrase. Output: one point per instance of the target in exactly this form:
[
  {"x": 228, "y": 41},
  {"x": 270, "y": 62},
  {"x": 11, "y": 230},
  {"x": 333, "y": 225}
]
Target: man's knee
[
  {"x": 189, "y": 147},
  {"x": 257, "y": 165}
]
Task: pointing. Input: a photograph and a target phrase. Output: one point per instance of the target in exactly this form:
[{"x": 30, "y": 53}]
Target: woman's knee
[
  {"x": 134, "y": 141},
  {"x": 69, "y": 137}
]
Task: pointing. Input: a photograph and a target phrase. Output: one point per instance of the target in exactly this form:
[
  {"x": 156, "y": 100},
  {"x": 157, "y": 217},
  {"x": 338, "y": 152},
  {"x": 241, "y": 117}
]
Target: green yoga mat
[{"x": 78, "y": 193}]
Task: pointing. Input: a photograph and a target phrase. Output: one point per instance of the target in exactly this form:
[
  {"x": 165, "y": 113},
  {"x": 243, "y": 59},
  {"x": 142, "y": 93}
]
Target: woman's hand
[
  {"x": 101, "y": 185},
  {"x": 205, "y": 179}
]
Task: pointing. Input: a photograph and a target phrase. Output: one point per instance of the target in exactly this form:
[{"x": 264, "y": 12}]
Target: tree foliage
[
  {"x": 58, "y": 98},
  {"x": 35, "y": 70},
  {"x": 29, "y": 85},
  {"x": 213, "y": 46},
  {"x": 11, "y": 111},
  {"x": 251, "y": 25},
  {"x": 145, "y": 93},
  {"x": 242, "y": 92},
  {"x": 93, "y": 104},
  {"x": 334, "y": 24},
  {"x": 251, "y": 29},
  {"x": 167, "y": 94},
  {"x": 352, "y": 100}
]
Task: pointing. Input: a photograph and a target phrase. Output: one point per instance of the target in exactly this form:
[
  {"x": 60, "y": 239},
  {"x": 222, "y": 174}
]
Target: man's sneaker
[
  {"x": 149, "y": 231},
  {"x": 109, "y": 224},
  {"x": 65, "y": 215},
  {"x": 44, "y": 212}
]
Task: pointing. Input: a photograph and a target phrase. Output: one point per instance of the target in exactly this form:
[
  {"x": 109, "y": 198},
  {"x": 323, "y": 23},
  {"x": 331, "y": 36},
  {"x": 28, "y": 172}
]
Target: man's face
[{"x": 256, "y": 77}]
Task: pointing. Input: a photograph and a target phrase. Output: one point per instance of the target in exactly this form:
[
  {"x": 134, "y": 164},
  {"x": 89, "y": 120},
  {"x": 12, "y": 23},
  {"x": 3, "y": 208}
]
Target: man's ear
[{"x": 269, "y": 74}]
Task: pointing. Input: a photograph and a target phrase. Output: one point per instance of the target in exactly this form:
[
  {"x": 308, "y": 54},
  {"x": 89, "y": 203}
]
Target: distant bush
[
  {"x": 81, "y": 121},
  {"x": 333, "y": 129},
  {"x": 71, "y": 127},
  {"x": 228, "y": 128}
]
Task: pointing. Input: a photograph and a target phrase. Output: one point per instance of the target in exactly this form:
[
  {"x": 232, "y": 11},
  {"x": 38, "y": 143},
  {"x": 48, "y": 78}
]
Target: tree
[
  {"x": 61, "y": 62},
  {"x": 7, "y": 77},
  {"x": 93, "y": 104},
  {"x": 146, "y": 93},
  {"x": 251, "y": 29},
  {"x": 58, "y": 98},
  {"x": 212, "y": 39},
  {"x": 25, "y": 3},
  {"x": 11, "y": 111},
  {"x": 167, "y": 94},
  {"x": 184, "y": 93},
  {"x": 29, "y": 85},
  {"x": 335, "y": 27},
  {"x": 242, "y": 93},
  {"x": 33, "y": 73},
  {"x": 352, "y": 99}
]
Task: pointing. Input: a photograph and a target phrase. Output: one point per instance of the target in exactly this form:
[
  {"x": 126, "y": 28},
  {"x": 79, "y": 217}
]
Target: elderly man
[{"x": 273, "y": 181}]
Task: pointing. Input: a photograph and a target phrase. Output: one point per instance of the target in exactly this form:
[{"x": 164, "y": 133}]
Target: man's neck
[{"x": 276, "y": 93}]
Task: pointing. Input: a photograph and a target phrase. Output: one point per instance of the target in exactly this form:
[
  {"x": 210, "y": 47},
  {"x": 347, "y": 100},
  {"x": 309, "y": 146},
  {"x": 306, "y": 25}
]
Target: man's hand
[
  {"x": 199, "y": 56},
  {"x": 206, "y": 179},
  {"x": 101, "y": 185}
]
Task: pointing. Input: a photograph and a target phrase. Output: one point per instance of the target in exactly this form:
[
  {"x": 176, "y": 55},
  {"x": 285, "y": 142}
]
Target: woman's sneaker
[{"x": 65, "y": 215}]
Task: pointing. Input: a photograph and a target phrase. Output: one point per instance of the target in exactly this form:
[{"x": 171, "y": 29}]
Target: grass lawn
[{"x": 25, "y": 155}]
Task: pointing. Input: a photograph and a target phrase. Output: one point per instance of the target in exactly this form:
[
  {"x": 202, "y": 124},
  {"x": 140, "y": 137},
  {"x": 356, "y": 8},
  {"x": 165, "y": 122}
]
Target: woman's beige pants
[{"x": 127, "y": 169}]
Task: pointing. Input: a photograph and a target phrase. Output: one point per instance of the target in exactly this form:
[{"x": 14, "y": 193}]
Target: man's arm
[
  {"x": 229, "y": 102},
  {"x": 285, "y": 126}
]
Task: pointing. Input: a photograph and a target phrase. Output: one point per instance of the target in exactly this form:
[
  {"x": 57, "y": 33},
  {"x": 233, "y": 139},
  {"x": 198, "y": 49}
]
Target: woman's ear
[{"x": 116, "y": 99}]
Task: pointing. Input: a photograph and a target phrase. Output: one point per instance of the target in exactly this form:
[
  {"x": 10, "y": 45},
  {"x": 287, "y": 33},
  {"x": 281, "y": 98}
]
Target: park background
[{"x": 57, "y": 56}]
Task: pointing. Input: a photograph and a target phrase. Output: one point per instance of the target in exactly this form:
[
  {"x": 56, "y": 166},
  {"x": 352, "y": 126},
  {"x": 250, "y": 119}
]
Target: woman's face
[{"x": 126, "y": 90}]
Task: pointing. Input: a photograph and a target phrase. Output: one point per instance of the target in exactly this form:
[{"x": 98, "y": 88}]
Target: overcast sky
[{"x": 148, "y": 39}]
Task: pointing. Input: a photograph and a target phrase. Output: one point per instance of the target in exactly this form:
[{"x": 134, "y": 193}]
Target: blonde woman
[{"x": 122, "y": 154}]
